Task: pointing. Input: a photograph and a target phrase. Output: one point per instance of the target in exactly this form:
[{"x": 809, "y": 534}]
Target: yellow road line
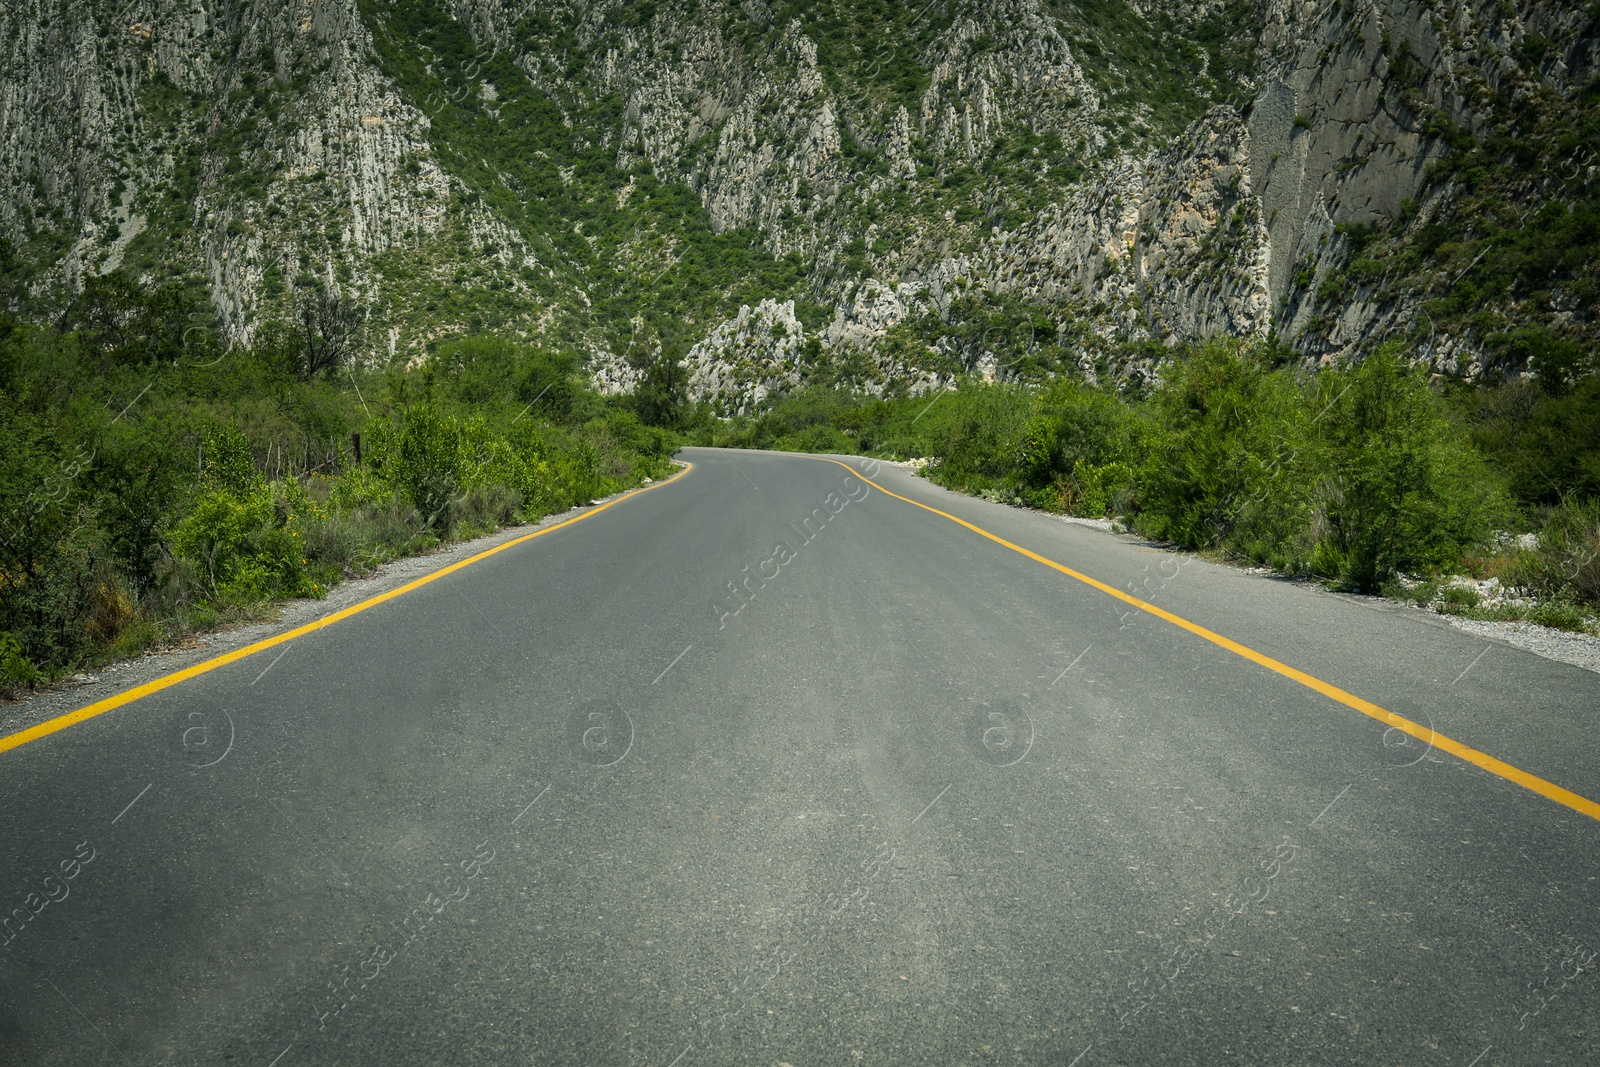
[
  {"x": 72, "y": 718},
  {"x": 1548, "y": 790}
]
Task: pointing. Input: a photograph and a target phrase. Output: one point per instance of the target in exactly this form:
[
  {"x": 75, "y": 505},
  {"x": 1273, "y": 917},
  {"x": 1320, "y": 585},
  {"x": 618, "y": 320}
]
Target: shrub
[
  {"x": 1556, "y": 362},
  {"x": 1549, "y": 445},
  {"x": 821, "y": 439},
  {"x": 1560, "y": 615},
  {"x": 425, "y": 462},
  {"x": 1228, "y": 466},
  {"x": 227, "y": 460},
  {"x": 578, "y": 474},
  {"x": 1566, "y": 562},
  {"x": 247, "y": 545},
  {"x": 1080, "y": 449},
  {"x": 111, "y": 612},
  {"x": 360, "y": 487},
  {"x": 141, "y": 474},
  {"x": 484, "y": 508},
  {"x": 1460, "y": 597},
  {"x": 15, "y": 670},
  {"x": 662, "y": 394},
  {"x": 1401, "y": 487},
  {"x": 984, "y": 436},
  {"x": 1096, "y": 490},
  {"x": 1422, "y": 593},
  {"x": 135, "y": 501},
  {"x": 52, "y": 551}
]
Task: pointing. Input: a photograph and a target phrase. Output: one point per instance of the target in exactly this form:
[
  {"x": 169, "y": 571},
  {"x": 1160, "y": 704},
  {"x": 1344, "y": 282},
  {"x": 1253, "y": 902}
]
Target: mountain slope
[{"x": 782, "y": 190}]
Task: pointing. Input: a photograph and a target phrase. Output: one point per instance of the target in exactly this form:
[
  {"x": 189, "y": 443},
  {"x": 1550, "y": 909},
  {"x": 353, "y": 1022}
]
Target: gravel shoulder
[
  {"x": 1575, "y": 649},
  {"x": 1580, "y": 650},
  {"x": 1562, "y": 646}
]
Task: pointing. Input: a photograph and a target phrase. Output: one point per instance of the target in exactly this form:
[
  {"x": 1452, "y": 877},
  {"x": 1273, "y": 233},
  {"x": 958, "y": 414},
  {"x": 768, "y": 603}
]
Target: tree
[
  {"x": 1401, "y": 487},
  {"x": 141, "y": 472},
  {"x": 125, "y": 324},
  {"x": 428, "y": 462},
  {"x": 552, "y": 381},
  {"x": 329, "y": 331},
  {"x": 662, "y": 396}
]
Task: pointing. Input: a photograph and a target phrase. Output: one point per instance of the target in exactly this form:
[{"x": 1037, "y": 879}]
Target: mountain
[{"x": 872, "y": 194}]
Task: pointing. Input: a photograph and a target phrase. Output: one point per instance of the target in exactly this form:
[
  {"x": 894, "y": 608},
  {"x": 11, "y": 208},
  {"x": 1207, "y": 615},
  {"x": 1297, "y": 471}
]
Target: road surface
[{"x": 769, "y": 765}]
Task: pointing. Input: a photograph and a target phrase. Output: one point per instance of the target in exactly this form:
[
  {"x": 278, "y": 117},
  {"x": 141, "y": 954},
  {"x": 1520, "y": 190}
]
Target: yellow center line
[
  {"x": 100, "y": 707},
  {"x": 1548, "y": 790}
]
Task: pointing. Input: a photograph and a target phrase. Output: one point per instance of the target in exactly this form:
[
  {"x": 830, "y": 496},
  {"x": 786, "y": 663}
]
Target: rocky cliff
[
  {"x": 1248, "y": 222},
  {"x": 776, "y": 184}
]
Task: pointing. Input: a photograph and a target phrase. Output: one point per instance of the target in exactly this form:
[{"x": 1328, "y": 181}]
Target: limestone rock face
[
  {"x": 747, "y": 357},
  {"x": 1030, "y": 77},
  {"x": 1234, "y": 227},
  {"x": 1169, "y": 246},
  {"x": 972, "y": 149},
  {"x": 110, "y": 118},
  {"x": 1339, "y": 138}
]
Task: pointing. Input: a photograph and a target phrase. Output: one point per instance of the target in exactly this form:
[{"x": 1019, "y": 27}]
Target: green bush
[
  {"x": 1080, "y": 449},
  {"x": 1565, "y": 564},
  {"x": 247, "y": 543},
  {"x": 151, "y": 484},
  {"x": 424, "y": 461},
  {"x": 15, "y": 670},
  {"x": 361, "y": 487},
  {"x": 143, "y": 471},
  {"x": 1460, "y": 597},
  {"x": 1421, "y": 594},
  {"x": 1570, "y": 541},
  {"x": 52, "y": 550},
  {"x": 228, "y": 461},
  {"x": 984, "y": 438},
  {"x": 1228, "y": 466},
  {"x": 1561, "y": 615},
  {"x": 1400, "y": 486},
  {"x": 1098, "y": 490},
  {"x": 1356, "y": 474},
  {"x": 662, "y": 395},
  {"x": 1548, "y": 444}
]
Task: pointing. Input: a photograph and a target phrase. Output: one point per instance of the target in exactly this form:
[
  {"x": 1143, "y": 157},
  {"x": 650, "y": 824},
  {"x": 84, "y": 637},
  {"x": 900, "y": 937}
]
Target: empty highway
[{"x": 767, "y": 764}]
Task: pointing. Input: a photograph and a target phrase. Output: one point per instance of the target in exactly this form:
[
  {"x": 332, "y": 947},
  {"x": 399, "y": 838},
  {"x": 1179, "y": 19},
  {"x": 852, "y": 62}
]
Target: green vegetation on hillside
[
  {"x": 1151, "y": 67},
  {"x": 549, "y": 167},
  {"x": 1026, "y": 341},
  {"x": 1508, "y": 259}
]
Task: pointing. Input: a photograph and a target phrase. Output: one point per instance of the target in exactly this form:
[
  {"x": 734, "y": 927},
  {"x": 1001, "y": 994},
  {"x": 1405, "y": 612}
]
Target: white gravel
[
  {"x": 1580, "y": 650},
  {"x": 1096, "y": 524}
]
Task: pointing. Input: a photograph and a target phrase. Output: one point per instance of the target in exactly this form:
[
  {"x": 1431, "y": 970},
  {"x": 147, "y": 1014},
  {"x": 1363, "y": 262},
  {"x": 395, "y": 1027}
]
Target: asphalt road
[{"x": 913, "y": 797}]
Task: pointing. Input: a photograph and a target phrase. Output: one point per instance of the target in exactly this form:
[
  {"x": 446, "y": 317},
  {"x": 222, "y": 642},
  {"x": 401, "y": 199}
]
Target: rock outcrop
[{"x": 966, "y": 151}]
